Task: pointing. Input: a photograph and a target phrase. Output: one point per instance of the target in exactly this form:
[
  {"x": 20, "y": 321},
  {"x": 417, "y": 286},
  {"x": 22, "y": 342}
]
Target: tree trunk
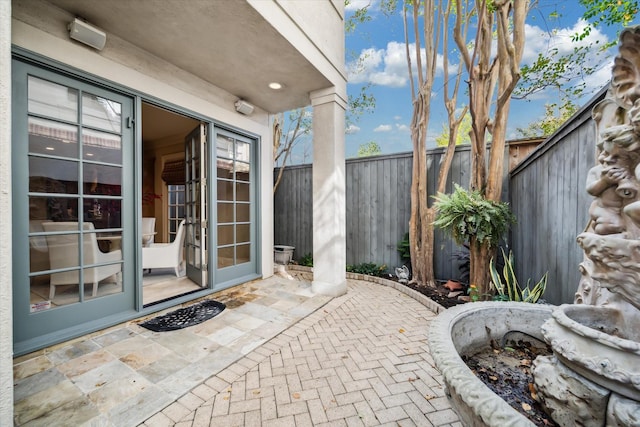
[
  {"x": 480, "y": 255},
  {"x": 420, "y": 223}
]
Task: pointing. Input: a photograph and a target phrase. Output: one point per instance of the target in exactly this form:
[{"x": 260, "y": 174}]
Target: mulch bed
[{"x": 439, "y": 294}]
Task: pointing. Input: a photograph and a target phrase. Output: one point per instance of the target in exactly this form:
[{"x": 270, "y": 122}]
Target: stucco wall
[{"x": 323, "y": 24}]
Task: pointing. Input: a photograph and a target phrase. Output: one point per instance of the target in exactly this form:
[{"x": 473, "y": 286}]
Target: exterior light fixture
[
  {"x": 87, "y": 34},
  {"x": 275, "y": 86},
  {"x": 243, "y": 107}
]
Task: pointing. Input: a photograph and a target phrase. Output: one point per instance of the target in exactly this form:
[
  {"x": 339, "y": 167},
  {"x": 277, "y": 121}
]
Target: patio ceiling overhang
[{"x": 226, "y": 43}]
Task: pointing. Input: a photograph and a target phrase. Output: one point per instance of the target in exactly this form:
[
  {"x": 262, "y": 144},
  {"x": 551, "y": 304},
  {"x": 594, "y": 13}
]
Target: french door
[
  {"x": 195, "y": 157},
  {"x": 235, "y": 255},
  {"x": 72, "y": 165}
]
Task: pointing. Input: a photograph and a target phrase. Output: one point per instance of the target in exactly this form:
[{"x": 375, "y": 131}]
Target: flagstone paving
[{"x": 278, "y": 356}]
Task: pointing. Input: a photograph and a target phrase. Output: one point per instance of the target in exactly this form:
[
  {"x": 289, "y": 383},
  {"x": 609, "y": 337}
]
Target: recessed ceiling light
[
  {"x": 275, "y": 86},
  {"x": 50, "y": 148}
]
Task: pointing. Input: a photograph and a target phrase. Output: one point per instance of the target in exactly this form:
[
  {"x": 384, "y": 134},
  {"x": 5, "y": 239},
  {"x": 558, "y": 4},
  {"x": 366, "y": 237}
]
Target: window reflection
[
  {"x": 52, "y": 138},
  {"x": 52, "y": 100},
  {"x": 101, "y": 113},
  {"x": 101, "y": 147}
]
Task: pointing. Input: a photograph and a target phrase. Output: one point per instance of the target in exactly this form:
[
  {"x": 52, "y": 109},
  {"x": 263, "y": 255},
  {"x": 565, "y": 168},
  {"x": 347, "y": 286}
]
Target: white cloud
[
  {"x": 383, "y": 128},
  {"x": 387, "y": 67},
  {"x": 396, "y": 118},
  {"x": 402, "y": 127},
  {"x": 357, "y": 4},
  {"x": 351, "y": 129}
]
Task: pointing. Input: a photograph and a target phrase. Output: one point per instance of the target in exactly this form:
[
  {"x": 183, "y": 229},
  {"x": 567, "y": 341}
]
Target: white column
[
  {"x": 329, "y": 231},
  {"x": 6, "y": 298}
]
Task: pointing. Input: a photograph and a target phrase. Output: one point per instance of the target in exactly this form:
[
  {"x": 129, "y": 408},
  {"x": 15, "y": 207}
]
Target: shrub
[
  {"x": 510, "y": 290},
  {"x": 307, "y": 260},
  {"x": 368, "y": 268}
]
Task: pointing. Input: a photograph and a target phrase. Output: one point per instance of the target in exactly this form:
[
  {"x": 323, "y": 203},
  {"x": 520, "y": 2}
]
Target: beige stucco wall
[
  {"x": 316, "y": 29},
  {"x": 42, "y": 29},
  {"x": 322, "y": 22}
]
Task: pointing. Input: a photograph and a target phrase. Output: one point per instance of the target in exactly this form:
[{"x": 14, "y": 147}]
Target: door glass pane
[
  {"x": 46, "y": 209},
  {"x": 243, "y": 151},
  {"x": 101, "y": 113},
  {"x": 225, "y": 235},
  {"x": 225, "y": 190},
  {"x": 225, "y": 212},
  {"x": 52, "y": 100},
  {"x": 243, "y": 233},
  {"x": 102, "y": 179},
  {"x": 242, "y": 192},
  {"x": 225, "y": 169},
  {"x": 243, "y": 254},
  {"x": 225, "y": 257},
  {"x": 48, "y": 175},
  {"x": 103, "y": 212},
  {"x": 242, "y": 212},
  {"x": 224, "y": 147},
  {"x": 242, "y": 171},
  {"x": 101, "y": 147},
  {"x": 52, "y": 138}
]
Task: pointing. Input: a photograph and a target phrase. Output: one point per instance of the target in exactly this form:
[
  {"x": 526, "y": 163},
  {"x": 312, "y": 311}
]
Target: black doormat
[{"x": 185, "y": 317}]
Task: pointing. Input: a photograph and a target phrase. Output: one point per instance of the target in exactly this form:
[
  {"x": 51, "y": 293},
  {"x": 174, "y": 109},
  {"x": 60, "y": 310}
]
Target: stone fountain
[{"x": 593, "y": 376}]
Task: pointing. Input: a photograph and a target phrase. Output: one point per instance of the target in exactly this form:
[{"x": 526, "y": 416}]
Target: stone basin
[
  {"x": 596, "y": 342},
  {"x": 465, "y": 330}
]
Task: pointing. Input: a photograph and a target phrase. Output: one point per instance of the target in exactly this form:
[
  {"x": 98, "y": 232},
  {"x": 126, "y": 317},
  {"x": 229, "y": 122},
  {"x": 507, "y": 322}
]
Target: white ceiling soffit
[{"x": 226, "y": 43}]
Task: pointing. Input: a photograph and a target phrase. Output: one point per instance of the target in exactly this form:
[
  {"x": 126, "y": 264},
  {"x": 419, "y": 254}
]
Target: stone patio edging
[{"x": 307, "y": 272}]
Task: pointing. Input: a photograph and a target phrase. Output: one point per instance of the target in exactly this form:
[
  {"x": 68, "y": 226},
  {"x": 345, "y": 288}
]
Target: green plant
[
  {"x": 306, "y": 260},
  {"x": 404, "y": 248},
  {"x": 469, "y": 217},
  {"x": 368, "y": 268},
  {"x": 510, "y": 290},
  {"x": 473, "y": 293}
]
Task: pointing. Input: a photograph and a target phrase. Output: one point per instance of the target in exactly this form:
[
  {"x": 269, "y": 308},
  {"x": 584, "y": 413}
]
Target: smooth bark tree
[
  {"x": 492, "y": 63},
  {"x": 436, "y": 16}
]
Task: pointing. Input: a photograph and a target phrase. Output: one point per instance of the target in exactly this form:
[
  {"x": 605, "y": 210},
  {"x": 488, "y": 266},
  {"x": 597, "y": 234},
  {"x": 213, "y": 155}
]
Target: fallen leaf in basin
[
  {"x": 526, "y": 406},
  {"x": 401, "y": 330}
]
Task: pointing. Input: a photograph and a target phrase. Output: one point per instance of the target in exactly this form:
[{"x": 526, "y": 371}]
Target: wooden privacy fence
[
  {"x": 549, "y": 198},
  {"x": 546, "y": 192},
  {"x": 378, "y": 207}
]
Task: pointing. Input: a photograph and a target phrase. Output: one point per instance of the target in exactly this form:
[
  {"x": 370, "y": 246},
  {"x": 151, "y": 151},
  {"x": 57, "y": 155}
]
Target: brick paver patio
[{"x": 361, "y": 360}]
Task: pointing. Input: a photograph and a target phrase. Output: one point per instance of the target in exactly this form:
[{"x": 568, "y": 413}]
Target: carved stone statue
[{"x": 593, "y": 378}]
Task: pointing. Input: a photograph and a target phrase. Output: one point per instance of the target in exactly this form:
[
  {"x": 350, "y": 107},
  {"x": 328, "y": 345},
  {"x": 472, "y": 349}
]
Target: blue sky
[{"x": 380, "y": 45}]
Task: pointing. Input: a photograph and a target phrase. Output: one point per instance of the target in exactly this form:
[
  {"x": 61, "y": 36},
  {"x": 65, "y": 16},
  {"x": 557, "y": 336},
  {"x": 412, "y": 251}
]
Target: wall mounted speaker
[
  {"x": 87, "y": 34},
  {"x": 243, "y": 107}
]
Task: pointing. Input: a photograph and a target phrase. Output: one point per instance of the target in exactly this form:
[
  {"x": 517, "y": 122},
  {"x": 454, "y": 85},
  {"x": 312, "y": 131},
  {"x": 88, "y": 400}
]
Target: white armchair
[
  {"x": 166, "y": 255},
  {"x": 64, "y": 253},
  {"x": 148, "y": 230}
]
